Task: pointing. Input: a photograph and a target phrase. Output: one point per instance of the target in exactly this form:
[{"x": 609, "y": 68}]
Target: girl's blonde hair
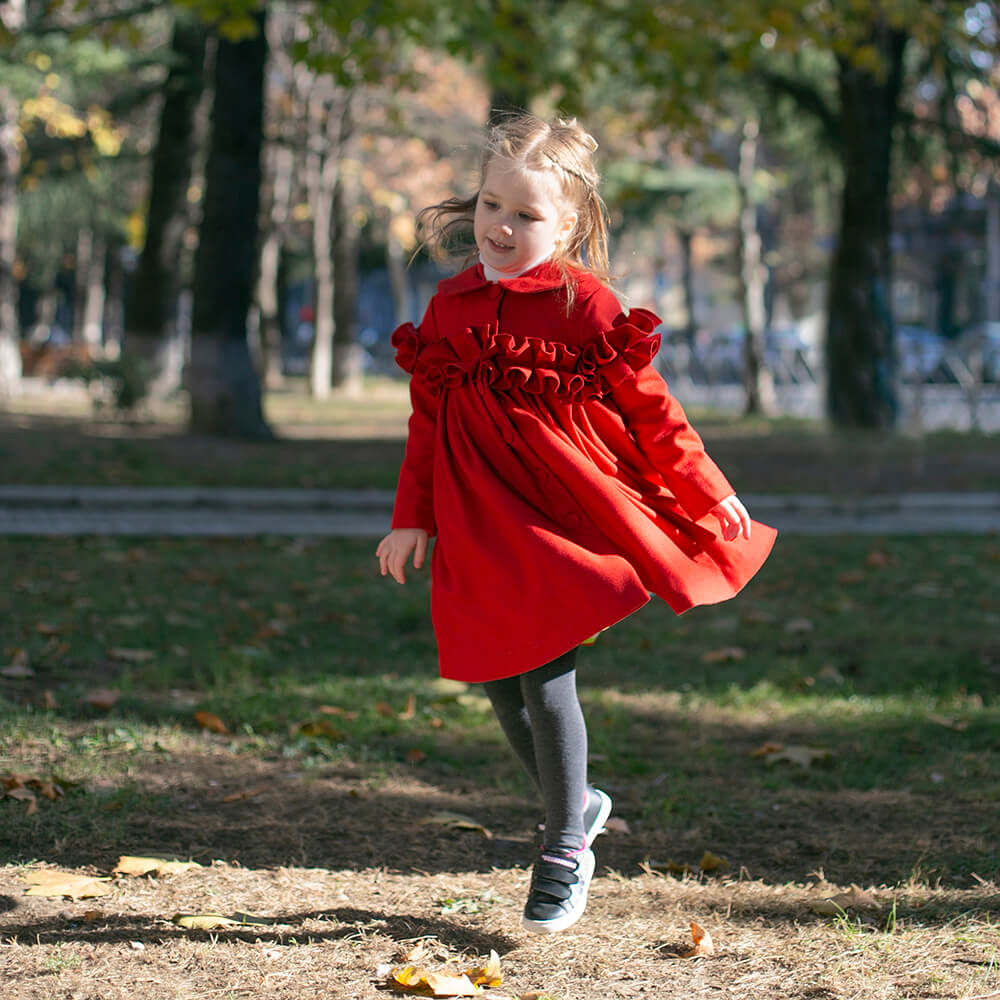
[{"x": 561, "y": 147}]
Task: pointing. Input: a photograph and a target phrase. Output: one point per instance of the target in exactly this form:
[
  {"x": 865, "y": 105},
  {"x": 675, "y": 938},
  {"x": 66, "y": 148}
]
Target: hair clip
[{"x": 590, "y": 142}]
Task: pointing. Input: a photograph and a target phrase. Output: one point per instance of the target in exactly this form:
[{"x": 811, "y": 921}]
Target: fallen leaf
[
  {"x": 385, "y": 709},
  {"x": 47, "y": 628},
  {"x": 204, "y": 921},
  {"x": 727, "y": 654},
  {"x": 703, "y": 944},
  {"x": 416, "y": 755},
  {"x": 456, "y": 821},
  {"x": 669, "y": 866},
  {"x": 103, "y": 699},
  {"x": 131, "y": 655},
  {"x": 487, "y": 975},
  {"x": 337, "y": 710},
  {"x": 411, "y": 709},
  {"x": 211, "y": 722},
  {"x": 712, "y": 862},
  {"x": 435, "y": 984},
  {"x": 855, "y": 898},
  {"x": 47, "y": 882},
  {"x": 803, "y": 756},
  {"x": 248, "y": 793},
  {"x": 617, "y": 825},
  {"x": 49, "y": 700},
  {"x": 851, "y": 576},
  {"x": 322, "y": 728},
  {"x": 132, "y": 865},
  {"x": 765, "y": 749}
]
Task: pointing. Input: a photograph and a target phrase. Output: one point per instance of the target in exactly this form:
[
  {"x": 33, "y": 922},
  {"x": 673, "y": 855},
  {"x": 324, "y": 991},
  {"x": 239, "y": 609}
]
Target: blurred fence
[{"x": 952, "y": 391}]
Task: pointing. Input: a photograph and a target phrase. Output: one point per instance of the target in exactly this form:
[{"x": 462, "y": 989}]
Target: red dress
[{"x": 561, "y": 478}]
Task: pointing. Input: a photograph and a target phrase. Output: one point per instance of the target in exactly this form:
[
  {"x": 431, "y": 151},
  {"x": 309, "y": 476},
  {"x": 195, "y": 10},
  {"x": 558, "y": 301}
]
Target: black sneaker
[
  {"x": 558, "y": 893},
  {"x": 595, "y": 814}
]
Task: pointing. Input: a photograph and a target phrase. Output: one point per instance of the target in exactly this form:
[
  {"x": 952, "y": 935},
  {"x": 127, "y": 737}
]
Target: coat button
[{"x": 572, "y": 520}]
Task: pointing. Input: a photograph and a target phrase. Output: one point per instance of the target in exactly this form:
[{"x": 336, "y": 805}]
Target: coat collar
[{"x": 545, "y": 277}]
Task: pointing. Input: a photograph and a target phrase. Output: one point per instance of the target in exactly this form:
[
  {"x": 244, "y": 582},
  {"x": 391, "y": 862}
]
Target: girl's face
[{"x": 520, "y": 216}]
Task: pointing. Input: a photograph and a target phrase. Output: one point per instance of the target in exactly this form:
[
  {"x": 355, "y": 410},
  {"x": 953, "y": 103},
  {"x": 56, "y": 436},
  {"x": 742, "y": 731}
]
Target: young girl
[{"x": 562, "y": 480}]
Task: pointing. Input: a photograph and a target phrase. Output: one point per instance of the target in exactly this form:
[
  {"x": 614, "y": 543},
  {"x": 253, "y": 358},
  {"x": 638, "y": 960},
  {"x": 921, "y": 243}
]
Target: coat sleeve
[
  {"x": 414, "y": 504},
  {"x": 660, "y": 427},
  {"x": 657, "y": 423}
]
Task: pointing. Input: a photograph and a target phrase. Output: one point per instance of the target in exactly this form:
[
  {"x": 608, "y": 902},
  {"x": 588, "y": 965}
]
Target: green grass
[{"x": 881, "y": 653}]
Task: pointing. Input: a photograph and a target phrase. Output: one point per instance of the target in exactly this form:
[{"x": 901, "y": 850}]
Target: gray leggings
[{"x": 541, "y": 717}]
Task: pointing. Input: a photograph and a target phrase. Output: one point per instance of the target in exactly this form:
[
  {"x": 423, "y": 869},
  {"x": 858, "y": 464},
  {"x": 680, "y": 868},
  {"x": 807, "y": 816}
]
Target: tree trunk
[
  {"x": 281, "y": 169},
  {"x": 395, "y": 262},
  {"x": 327, "y": 147},
  {"x": 758, "y": 382},
  {"x": 10, "y": 166},
  {"x": 685, "y": 237},
  {"x": 991, "y": 306},
  {"x": 859, "y": 345},
  {"x": 346, "y": 375},
  {"x": 152, "y": 320},
  {"x": 221, "y": 378},
  {"x": 94, "y": 297}
]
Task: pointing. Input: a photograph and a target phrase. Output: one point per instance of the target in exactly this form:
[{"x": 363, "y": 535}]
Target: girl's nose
[{"x": 505, "y": 229}]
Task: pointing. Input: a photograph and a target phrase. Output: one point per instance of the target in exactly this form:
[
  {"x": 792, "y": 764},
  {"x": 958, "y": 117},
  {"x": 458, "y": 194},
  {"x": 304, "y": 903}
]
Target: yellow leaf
[
  {"x": 455, "y": 821},
  {"x": 211, "y": 722},
  {"x": 132, "y": 865},
  {"x": 445, "y": 985},
  {"x": 323, "y": 728},
  {"x": 489, "y": 974},
  {"x": 411, "y": 709},
  {"x": 204, "y": 921},
  {"x": 703, "y": 944},
  {"x": 47, "y": 882},
  {"x": 712, "y": 862},
  {"x": 435, "y": 984},
  {"x": 766, "y": 749}
]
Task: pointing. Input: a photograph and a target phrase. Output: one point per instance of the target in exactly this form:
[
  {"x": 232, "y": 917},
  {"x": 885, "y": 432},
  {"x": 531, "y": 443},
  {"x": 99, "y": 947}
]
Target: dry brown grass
[{"x": 336, "y": 933}]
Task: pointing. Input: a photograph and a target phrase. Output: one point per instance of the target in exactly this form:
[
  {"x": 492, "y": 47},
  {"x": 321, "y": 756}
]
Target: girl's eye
[
  {"x": 491, "y": 205},
  {"x": 526, "y": 217}
]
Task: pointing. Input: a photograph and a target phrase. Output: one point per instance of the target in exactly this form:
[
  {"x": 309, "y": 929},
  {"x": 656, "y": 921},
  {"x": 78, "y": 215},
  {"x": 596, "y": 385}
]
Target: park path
[{"x": 240, "y": 512}]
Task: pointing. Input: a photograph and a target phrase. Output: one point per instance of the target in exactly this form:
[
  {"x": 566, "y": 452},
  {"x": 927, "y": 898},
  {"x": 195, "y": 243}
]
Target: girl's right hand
[{"x": 394, "y": 550}]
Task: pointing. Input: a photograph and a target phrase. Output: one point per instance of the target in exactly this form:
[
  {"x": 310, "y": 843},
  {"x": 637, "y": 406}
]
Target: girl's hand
[
  {"x": 732, "y": 517},
  {"x": 394, "y": 550}
]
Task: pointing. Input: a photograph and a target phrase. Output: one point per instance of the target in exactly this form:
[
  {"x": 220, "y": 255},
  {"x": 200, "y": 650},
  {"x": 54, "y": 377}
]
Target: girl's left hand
[{"x": 732, "y": 517}]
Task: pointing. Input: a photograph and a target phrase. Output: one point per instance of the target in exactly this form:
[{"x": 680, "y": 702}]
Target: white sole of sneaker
[
  {"x": 597, "y": 826},
  {"x": 586, "y": 872}
]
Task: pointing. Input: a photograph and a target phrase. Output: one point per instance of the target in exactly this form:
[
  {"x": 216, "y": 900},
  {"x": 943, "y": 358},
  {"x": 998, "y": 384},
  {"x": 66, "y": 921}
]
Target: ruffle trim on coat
[{"x": 506, "y": 362}]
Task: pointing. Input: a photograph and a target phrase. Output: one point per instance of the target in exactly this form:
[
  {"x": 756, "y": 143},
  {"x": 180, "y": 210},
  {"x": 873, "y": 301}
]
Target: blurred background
[{"x": 203, "y": 203}]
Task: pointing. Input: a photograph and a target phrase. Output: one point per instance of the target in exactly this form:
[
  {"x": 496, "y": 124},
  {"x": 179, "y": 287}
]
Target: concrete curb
[{"x": 242, "y": 512}]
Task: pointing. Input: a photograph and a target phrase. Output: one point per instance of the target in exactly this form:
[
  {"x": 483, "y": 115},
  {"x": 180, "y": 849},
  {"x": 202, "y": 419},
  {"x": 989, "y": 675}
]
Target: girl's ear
[{"x": 567, "y": 226}]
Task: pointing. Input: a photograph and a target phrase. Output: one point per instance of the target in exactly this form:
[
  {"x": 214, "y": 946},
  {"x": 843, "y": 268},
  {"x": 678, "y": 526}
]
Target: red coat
[{"x": 561, "y": 478}]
